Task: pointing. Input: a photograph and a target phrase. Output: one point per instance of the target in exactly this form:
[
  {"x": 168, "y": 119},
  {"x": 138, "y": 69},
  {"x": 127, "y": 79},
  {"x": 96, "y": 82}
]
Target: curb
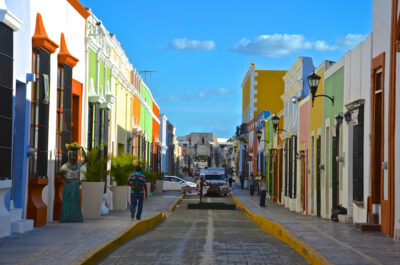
[
  {"x": 286, "y": 236},
  {"x": 133, "y": 230},
  {"x": 176, "y": 203}
]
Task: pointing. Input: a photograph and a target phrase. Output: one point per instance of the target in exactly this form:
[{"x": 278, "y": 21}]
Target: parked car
[
  {"x": 176, "y": 183},
  {"x": 216, "y": 185}
]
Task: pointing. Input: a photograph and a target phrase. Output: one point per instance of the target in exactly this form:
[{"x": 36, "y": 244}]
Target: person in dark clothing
[
  {"x": 263, "y": 191},
  {"x": 242, "y": 181},
  {"x": 137, "y": 181},
  {"x": 252, "y": 182}
]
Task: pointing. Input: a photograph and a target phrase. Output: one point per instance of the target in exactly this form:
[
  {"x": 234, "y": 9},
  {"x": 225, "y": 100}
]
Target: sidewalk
[
  {"x": 63, "y": 243},
  {"x": 340, "y": 243}
]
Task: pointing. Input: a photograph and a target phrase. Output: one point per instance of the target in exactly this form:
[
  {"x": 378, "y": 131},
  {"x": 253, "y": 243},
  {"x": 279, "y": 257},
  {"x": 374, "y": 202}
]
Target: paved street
[
  {"x": 205, "y": 237},
  {"x": 340, "y": 243},
  {"x": 64, "y": 243}
]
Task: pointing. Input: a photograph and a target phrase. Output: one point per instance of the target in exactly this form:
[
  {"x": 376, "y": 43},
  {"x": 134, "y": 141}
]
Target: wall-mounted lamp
[
  {"x": 322, "y": 167},
  {"x": 347, "y": 116},
  {"x": 259, "y": 133},
  {"x": 296, "y": 100},
  {"x": 275, "y": 123},
  {"x": 339, "y": 119},
  {"x": 313, "y": 81}
]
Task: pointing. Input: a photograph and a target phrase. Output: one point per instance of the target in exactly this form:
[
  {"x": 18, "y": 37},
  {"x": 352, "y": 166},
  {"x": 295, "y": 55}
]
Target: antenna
[{"x": 145, "y": 73}]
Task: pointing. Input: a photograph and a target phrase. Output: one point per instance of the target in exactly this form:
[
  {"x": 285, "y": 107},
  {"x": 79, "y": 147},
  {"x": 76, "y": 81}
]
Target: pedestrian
[
  {"x": 242, "y": 181},
  {"x": 252, "y": 181},
  {"x": 230, "y": 179},
  {"x": 263, "y": 191},
  {"x": 137, "y": 181}
]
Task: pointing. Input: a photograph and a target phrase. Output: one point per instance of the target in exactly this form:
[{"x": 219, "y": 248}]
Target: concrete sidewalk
[
  {"x": 64, "y": 243},
  {"x": 339, "y": 243}
]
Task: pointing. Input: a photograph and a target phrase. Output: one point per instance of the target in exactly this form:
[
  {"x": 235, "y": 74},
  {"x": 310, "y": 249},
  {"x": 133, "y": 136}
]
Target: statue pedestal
[
  {"x": 36, "y": 208},
  {"x": 5, "y": 217},
  {"x": 58, "y": 197}
]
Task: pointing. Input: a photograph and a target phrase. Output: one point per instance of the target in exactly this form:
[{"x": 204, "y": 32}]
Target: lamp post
[{"x": 313, "y": 81}]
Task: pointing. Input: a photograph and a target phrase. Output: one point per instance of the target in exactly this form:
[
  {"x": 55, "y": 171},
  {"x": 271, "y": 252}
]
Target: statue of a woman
[{"x": 71, "y": 205}]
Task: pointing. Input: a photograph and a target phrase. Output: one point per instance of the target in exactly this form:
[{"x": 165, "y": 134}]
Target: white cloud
[
  {"x": 281, "y": 45},
  {"x": 322, "y": 46},
  {"x": 273, "y": 46},
  {"x": 192, "y": 45},
  {"x": 350, "y": 40}
]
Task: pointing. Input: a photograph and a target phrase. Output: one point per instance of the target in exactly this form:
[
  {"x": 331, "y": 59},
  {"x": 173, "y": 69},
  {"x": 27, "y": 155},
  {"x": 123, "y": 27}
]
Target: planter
[
  {"x": 148, "y": 188},
  {"x": 159, "y": 186},
  {"x": 120, "y": 197},
  {"x": 92, "y": 197}
]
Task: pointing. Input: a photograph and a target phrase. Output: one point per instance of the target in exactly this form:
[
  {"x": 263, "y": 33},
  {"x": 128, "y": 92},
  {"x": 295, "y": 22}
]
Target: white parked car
[{"x": 176, "y": 183}]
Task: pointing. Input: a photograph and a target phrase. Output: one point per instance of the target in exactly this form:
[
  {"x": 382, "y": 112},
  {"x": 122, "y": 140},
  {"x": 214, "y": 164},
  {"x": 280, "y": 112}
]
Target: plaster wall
[
  {"x": 270, "y": 87},
  {"x": 304, "y": 143},
  {"x": 381, "y": 43},
  {"x": 316, "y": 125},
  {"x": 22, "y": 66},
  {"x": 68, "y": 21},
  {"x": 357, "y": 86},
  {"x": 334, "y": 85}
]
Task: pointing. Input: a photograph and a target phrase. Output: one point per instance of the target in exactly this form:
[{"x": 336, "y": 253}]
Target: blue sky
[{"x": 201, "y": 50}]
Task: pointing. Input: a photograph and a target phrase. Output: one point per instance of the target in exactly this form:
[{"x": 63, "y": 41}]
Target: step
[
  {"x": 15, "y": 214},
  {"x": 21, "y": 226},
  {"x": 364, "y": 227},
  {"x": 345, "y": 219}
]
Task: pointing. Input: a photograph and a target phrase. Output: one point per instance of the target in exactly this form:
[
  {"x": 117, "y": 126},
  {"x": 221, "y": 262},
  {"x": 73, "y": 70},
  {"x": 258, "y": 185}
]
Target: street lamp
[
  {"x": 275, "y": 123},
  {"x": 313, "y": 81},
  {"x": 259, "y": 135},
  {"x": 339, "y": 119},
  {"x": 347, "y": 116}
]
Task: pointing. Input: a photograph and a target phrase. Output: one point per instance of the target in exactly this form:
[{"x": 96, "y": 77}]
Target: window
[
  {"x": 6, "y": 99},
  {"x": 34, "y": 119},
  {"x": 60, "y": 118},
  {"x": 358, "y": 155}
]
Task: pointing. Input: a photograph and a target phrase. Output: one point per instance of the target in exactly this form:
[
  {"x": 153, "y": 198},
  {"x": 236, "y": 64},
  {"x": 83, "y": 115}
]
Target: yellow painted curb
[
  {"x": 133, "y": 230},
  {"x": 286, "y": 236},
  {"x": 176, "y": 203}
]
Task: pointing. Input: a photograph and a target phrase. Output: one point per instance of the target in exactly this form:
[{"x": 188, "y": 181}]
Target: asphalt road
[{"x": 205, "y": 237}]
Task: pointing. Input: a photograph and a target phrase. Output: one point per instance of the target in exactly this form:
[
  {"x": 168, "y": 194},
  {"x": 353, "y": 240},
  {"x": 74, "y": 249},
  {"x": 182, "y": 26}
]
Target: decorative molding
[
  {"x": 96, "y": 99},
  {"x": 9, "y": 18},
  {"x": 79, "y": 8},
  {"x": 64, "y": 57},
  {"x": 40, "y": 38}
]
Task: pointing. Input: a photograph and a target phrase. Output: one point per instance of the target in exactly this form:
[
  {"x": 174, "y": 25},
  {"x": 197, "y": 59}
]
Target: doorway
[
  {"x": 318, "y": 171},
  {"x": 327, "y": 170},
  {"x": 377, "y": 142},
  {"x": 335, "y": 171},
  {"x": 303, "y": 179}
]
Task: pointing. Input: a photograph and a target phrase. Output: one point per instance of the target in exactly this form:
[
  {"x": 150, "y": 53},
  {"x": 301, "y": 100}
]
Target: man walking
[
  {"x": 263, "y": 191},
  {"x": 230, "y": 180},
  {"x": 252, "y": 184},
  {"x": 242, "y": 181},
  {"x": 137, "y": 181}
]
